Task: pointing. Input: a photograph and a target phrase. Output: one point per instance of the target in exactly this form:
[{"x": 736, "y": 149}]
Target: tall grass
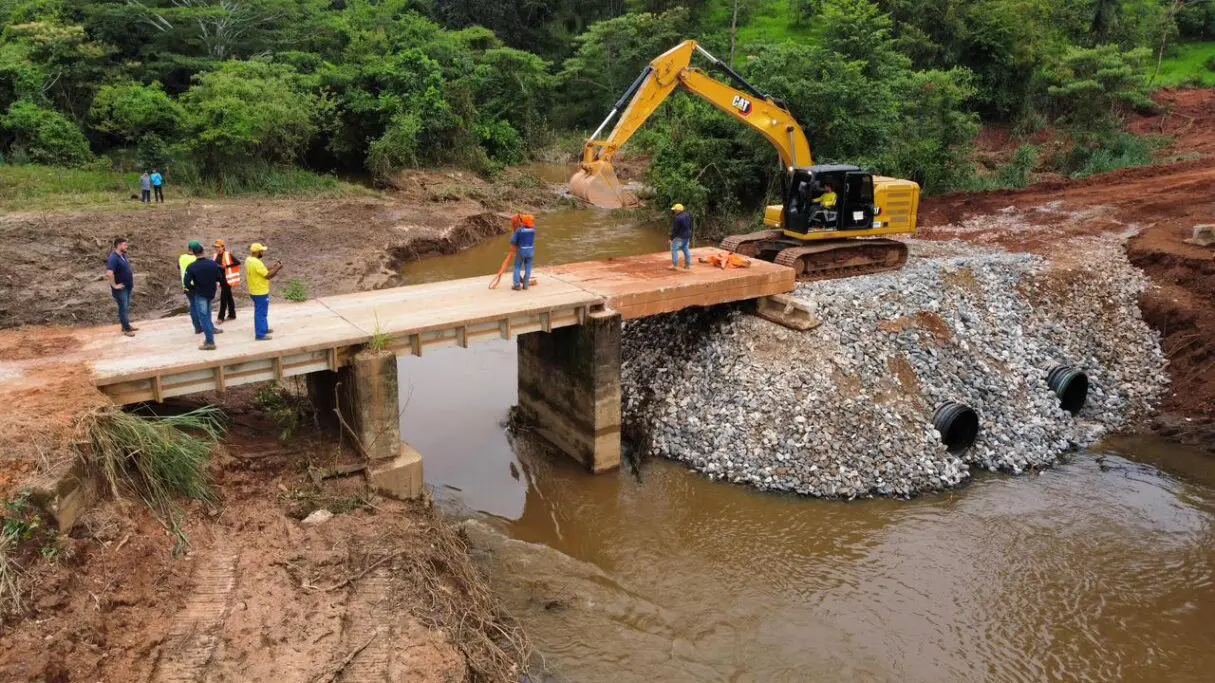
[
  {"x": 157, "y": 458},
  {"x": 1110, "y": 153},
  {"x": 1190, "y": 65},
  {"x": 35, "y": 187}
]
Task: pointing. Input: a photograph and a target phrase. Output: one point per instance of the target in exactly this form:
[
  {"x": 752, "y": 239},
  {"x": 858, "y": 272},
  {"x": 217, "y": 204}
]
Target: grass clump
[
  {"x": 296, "y": 291},
  {"x": 21, "y": 521},
  {"x": 1110, "y": 153},
  {"x": 158, "y": 458}
]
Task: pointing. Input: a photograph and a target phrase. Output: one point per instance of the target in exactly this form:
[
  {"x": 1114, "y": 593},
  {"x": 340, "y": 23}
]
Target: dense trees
[{"x": 222, "y": 88}]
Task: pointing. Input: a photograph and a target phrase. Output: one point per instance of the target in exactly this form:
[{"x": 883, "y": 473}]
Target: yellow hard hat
[
  {"x": 677, "y": 207},
  {"x": 256, "y": 247}
]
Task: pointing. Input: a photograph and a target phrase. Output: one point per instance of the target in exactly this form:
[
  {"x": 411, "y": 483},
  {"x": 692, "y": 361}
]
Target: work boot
[
  {"x": 265, "y": 338},
  {"x": 128, "y": 333},
  {"x": 207, "y": 347},
  {"x": 217, "y": 331},
  {"x": 269, "y": 330},
  {"x": 516, "y": 287}
]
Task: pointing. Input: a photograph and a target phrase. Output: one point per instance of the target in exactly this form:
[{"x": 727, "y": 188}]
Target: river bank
[{"x": 252, "y": 587}]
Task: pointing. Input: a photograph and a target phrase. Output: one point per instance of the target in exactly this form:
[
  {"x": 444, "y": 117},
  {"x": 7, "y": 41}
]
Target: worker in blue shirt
[
  {"x": 158, "y": 182},
  {"x": 524, "y": 242}
]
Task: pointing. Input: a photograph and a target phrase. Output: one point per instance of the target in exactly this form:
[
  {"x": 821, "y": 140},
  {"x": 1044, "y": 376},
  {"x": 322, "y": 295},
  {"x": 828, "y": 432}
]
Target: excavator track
[
  {"x": 832, "y": 259},
  {"x": 748, "y": 244}
]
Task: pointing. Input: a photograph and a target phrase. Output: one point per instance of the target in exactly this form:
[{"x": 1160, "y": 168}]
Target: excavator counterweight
[{"x": 830, "y": 213}]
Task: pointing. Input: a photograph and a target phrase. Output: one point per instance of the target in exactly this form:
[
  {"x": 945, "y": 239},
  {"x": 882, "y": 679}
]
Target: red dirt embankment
[{"x": 1157, "y": 207}]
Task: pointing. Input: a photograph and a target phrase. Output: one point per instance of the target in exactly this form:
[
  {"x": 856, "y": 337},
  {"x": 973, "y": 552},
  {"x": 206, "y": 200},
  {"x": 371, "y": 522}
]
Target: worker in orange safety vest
[{"x": 231, "y": 265}]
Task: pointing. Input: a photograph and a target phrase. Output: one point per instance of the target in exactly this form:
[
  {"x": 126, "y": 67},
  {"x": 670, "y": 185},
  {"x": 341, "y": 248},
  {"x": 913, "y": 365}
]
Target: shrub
[
  {"x": 296, "y": 291},
  {"x": 46, "y": 136}
]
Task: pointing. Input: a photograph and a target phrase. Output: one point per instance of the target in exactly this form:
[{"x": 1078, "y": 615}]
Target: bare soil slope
[
  {"x": 382, "y": 591},
  {"x": 54, "y": 266}
]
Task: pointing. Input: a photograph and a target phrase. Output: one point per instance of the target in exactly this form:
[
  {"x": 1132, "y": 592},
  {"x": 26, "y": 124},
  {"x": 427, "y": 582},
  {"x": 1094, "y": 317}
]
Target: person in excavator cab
[{"x": 827, "y": 201}]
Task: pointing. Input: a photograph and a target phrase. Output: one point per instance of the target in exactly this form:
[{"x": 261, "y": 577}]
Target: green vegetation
[
  {"x": 274, "y": 96},
  {"x": 295, "y": 291},
  {"x": 36, "y": 187},
  {"x": 1190, "y": 65},
  {"x": 285, "y": 409},
  {"x": 159, "y": 459}
]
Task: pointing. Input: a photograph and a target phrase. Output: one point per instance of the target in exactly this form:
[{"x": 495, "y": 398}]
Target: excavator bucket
[{"x": 596, "y": 183}]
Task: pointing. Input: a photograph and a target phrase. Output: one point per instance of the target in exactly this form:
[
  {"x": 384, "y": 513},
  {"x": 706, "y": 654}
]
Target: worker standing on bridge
[
  {"x": 257, "y": 280},
  {"x": 524, "y": 242},
  {"x": 122, "y": 284},
  {"x": 201, "y": 279},
  {"x": 184, "y": 262},
  {"x": 231, "y": 266},
  {"x": 681, "y": 237}
]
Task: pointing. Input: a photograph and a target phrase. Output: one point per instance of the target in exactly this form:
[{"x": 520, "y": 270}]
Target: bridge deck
[{"x": 163, "y": 359}]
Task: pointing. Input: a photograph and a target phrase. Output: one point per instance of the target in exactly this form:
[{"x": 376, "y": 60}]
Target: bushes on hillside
[{"x": 45, "y": 136}]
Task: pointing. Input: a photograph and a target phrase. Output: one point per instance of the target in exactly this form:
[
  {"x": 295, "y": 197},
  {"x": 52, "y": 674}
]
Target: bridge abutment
[
  {"x": 569, "y": 386},
  {"x": 366, "y": 394}
]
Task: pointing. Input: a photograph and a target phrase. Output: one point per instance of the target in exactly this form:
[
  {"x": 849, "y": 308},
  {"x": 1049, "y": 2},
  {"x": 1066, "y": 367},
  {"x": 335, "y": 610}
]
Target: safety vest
[{"x": 231, "y": 270}]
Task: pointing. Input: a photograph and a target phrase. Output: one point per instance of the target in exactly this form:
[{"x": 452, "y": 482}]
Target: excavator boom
[{"x": 596, "y": 180}]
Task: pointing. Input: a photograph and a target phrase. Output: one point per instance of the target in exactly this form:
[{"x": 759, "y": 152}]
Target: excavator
[{"x": 806, "y": 232}]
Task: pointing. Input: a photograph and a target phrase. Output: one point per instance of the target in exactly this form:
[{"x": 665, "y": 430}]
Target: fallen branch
[{"x": 356, "y": 577}]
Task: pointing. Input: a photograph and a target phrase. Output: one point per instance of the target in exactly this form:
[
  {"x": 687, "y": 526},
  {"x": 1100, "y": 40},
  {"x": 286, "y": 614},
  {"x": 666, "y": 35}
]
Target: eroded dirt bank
[
  {"x": 1156, "y": 209},
  {"x": 54, "y": 266},
  {"x": 381, "y": 591}
]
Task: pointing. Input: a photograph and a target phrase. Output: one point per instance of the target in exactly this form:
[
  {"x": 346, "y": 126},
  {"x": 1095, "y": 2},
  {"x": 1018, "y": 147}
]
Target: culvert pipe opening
[
  {"x": 1070, "y": 385},
  {"x": 958, "y": 425}
]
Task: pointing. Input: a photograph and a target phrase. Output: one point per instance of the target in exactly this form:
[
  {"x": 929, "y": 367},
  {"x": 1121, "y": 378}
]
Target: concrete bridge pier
[
  {"x": 569, "y": 387},
  {"x": 367, "y": 396}
]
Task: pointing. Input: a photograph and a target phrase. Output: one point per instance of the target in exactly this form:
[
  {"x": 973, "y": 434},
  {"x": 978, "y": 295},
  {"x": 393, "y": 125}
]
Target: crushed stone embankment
[{"x": 845, "y": 410}]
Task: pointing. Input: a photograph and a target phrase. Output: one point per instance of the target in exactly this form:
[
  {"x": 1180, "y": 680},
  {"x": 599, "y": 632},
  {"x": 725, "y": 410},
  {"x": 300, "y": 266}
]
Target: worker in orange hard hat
[{"x": 524, "y": 242}]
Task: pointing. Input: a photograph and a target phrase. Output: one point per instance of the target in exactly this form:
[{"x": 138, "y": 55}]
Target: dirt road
[
  {"x": 1157, "y": 207},
  {"x": 54, "y": 265}
]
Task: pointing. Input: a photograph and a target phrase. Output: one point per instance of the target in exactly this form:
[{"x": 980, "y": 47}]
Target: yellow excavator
[{"x": 832, "y": 216}]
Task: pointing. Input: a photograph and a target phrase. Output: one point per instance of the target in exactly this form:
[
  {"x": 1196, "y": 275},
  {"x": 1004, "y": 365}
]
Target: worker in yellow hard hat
[
  {"x": 257, "y": 281},
  {"x": 681, "y": 237}
]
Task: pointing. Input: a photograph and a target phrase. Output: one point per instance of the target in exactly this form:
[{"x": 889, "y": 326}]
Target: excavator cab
[{"x": 854, "y": 208}]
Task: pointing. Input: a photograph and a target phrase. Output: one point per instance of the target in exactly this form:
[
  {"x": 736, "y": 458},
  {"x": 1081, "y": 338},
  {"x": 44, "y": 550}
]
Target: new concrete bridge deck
[
  {"x": 163, "y": 359},
  {"x": 568, "y": 328}
]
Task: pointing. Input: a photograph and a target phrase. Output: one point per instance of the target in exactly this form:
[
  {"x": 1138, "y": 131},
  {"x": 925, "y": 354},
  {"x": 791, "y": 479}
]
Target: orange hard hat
[{"x": 529, "y": 220}]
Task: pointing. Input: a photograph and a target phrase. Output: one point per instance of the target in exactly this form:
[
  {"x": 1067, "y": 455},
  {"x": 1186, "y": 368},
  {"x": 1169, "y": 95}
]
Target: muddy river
[{"x": 1101, "y": 569}]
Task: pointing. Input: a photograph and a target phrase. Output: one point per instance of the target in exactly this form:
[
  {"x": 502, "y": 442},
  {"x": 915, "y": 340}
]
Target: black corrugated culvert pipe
[
  {"x": 1070, "y": 385},
  {"x": 958, "y": 425}
]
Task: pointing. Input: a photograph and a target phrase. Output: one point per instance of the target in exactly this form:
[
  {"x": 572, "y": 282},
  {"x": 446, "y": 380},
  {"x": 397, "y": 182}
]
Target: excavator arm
[{"x": 596, "y": 180}]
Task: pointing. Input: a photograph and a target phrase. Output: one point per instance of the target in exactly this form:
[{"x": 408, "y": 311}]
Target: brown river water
[{"x": 1101, "y": 569}]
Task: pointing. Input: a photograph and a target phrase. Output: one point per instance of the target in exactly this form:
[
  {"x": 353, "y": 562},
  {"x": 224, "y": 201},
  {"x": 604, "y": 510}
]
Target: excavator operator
[{"x": 827, "y": 202}]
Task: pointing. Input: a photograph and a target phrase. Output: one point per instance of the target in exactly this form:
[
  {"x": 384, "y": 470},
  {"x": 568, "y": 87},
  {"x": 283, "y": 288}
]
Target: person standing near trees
[
  {"x": 257, "y": 281},
  {"x": 158, "y": 182},
  {"x": 122, "y": 283},
  {"x": 681, "y": 237},
  {"x": 145, "y": 188},
  {"x": 231, "y": 266}
]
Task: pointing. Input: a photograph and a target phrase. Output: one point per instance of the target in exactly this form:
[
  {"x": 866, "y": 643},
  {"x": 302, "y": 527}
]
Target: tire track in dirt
[
  {"x": 368, "y": 615},
  {"x": 194, "y": 632}
]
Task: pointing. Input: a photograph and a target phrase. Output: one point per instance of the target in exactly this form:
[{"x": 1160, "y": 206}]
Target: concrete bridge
[{"x": 567, "y": 327}]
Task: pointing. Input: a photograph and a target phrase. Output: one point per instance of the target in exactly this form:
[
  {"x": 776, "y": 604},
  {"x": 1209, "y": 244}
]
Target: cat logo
[{"x": 742, "y": 104}]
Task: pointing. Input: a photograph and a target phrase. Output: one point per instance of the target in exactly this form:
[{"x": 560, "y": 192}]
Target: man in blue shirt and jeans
[
  {"x": 122, "y": 282},
  {"x": 681, "y": 237},
  {"x": 524, "y": 242},
  {"x": 201, "y": 280}
]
